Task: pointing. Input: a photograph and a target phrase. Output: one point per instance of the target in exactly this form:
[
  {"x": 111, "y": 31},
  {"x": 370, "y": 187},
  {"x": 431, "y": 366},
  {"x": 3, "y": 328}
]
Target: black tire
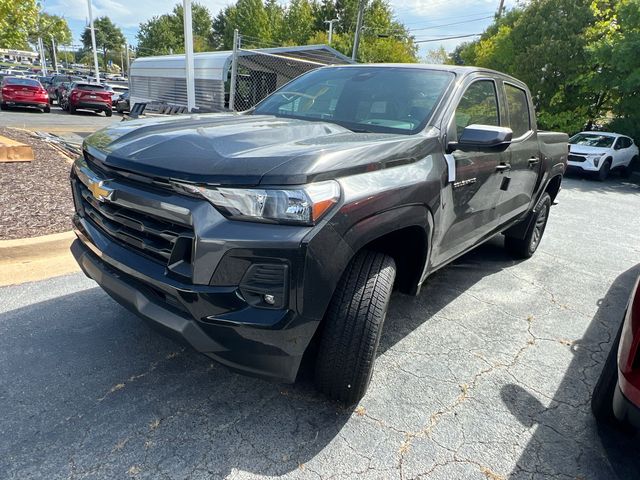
[
  {"x": 628, "y": 170},
  {"x": 604, "y": 171},
  {"x": 352, "y": 327},
  {"x": 108, "y": 113},
  {"x": 527, "y": 246},
  {"x": 71, "y": 109},
  {"x": 46, "y": 109},
  {"x": 3, "y": 106},
  {"x": 602, "y": 397}
]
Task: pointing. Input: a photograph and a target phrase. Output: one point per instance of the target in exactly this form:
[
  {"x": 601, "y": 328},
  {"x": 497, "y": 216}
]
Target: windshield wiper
[{"x": 359, "y": 130}]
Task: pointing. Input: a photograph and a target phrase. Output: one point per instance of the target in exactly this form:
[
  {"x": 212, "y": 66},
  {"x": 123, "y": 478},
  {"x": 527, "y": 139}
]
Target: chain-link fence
[{"x": 260, "y": 68}]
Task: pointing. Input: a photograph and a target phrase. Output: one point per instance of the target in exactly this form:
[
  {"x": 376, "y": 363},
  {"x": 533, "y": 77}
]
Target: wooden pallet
[{"x": 12, "y": 151}]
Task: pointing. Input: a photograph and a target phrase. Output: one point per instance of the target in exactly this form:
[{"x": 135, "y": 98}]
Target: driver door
[{"x": 469, "y": 201}]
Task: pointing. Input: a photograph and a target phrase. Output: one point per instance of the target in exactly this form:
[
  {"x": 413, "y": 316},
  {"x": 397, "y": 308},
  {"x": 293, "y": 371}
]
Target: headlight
[
  {"x": 304, "y": 205},
  {"x": 596, "y": 158}
]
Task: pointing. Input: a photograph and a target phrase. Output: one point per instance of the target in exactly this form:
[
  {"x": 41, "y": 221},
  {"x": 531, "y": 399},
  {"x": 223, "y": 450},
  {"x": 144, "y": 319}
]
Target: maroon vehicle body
[
  {"x": 617, "y": 393},
  {"x": 23, "y": 92},
  {"x": 89, "y": 96},
  {"x": 629, "y": 364}
]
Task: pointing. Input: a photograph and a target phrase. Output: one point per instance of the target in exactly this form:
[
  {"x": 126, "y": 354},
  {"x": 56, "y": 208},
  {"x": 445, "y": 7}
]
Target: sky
[{"x": 426, "y": 19}]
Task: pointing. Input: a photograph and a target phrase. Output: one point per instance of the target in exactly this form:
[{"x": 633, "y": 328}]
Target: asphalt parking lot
[
  {"x": 56, "y": 120},
  {"x": 487, "y": 374}
]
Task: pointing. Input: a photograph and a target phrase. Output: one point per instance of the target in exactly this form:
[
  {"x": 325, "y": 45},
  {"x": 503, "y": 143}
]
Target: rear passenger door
[{"x": 519, "y": 182}]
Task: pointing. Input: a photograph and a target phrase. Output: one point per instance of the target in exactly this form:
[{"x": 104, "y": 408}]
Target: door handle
[
  {"x": 503, "y": 167},
  {"x": 534, "y": 161}
]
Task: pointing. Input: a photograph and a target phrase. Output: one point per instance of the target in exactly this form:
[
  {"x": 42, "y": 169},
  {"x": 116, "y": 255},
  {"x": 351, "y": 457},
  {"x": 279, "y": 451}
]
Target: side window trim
[
  {"x": 496, "y": 90},
  {"x": 529, "y": 132}
]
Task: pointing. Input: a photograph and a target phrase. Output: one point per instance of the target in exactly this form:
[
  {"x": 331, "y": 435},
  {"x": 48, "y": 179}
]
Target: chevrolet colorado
[{"x": 262, "y": 235}]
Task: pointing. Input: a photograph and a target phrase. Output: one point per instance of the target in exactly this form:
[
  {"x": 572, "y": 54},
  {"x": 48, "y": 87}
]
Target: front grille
[
  {"x": 150, "y": 235},
  {"x": 576, "y": 158},
  {"x": 105, "y": 171}
]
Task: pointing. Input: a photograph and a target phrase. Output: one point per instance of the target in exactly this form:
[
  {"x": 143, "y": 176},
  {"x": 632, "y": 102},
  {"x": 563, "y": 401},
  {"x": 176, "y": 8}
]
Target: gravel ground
[{"x": 35, "y": 197}]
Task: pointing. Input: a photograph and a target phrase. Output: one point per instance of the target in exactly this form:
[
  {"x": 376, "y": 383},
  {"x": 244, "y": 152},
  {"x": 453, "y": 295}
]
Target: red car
[
  {"x": 617, "y": 393},
  {"x": 23, "y": 92},
  {"x": 87, "y": 96}
]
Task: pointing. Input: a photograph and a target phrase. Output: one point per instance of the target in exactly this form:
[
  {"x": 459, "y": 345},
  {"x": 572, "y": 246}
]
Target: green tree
[
  {"x": 298, "y": 22},
  {"x": 108, "y": 37},
  {"x": 53, "y": 30},
  {"x": 17, "y": 19},
  {"x": 164, "y": 34},
  {"x": 614, "y": 43}
]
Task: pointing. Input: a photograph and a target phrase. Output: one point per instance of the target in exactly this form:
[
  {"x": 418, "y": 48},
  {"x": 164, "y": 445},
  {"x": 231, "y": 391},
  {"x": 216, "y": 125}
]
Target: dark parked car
[
  {"x": 87, "y": 96},
  {"x": 122, "y": 105},
  {"x": 23, "y": 92},
  {"x": 56, "y": 81},
  {"x": 617, "y": 393},
  {"x": 280, "y": 232}
]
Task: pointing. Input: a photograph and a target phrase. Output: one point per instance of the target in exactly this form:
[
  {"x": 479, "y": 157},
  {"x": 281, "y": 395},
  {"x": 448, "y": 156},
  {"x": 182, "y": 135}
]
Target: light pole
[
  {"x": 188, "y": 56},
  {"x": 331, "y": 22},
  {"x": 55, "y": 58},
  {"x": 126, "y": 46},
  {"x": 93, "y": 43},
  {"x": 356, "y": 39}
]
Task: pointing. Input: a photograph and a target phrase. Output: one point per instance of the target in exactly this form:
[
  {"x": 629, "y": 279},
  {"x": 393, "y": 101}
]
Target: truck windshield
[
  {"x": 362, "y": 99},
  {"x": 592, "y": 140}
]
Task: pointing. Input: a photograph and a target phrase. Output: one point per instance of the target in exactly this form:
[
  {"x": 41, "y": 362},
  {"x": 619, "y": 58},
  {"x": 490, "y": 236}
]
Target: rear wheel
[
  {"x": 527, "y": 246},
  {"x": 71, "y": 109},
  {"x": 352, "y": 327},
  {"x": 602, "y": 397},
  {"x": 46, "y": 109},
  {"x": 628, "y": 170},
  {"x": 3, "y": 106},
  {"x": 108, "y": 113},
  {"x": 603, "y": 173}
]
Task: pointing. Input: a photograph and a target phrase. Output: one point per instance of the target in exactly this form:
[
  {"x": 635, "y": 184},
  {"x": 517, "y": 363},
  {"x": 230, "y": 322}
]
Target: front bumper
[{"x": 241, "y": 337}]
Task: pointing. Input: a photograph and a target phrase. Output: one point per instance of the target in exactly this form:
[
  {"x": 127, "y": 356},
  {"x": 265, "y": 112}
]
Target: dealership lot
[{"x": 487, "y": 374}]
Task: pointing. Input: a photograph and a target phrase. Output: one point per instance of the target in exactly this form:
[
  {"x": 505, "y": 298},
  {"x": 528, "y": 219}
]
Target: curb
[{"x": 32, "y": 259}]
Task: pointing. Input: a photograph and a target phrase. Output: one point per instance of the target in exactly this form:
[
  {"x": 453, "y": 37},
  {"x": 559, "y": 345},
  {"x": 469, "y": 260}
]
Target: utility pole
[
  {"x": 121, "y": 62},
  {"x": 188, "y": 56},
  {"x": 93, "y": 43},
  {"x": 55, "y": 58},
  {"x": 234, "y": 71},
  {"x": 43, "y": 60},
  {"x": 126, "y": 46},
  {"x": 500, "y": 9},
  {"x": 356, "y": 39},
  {"x": 331, "y": 22}
]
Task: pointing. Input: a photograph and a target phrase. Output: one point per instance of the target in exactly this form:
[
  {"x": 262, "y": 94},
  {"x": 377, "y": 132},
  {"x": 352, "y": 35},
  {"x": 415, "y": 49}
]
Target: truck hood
[
  {"x": 235, "y": 149},
  {"x": 588, "y": 150}
]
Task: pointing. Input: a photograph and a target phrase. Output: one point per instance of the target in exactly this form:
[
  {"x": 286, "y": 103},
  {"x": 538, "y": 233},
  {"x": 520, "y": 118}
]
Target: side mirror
[{"x": 483, "y": 138}]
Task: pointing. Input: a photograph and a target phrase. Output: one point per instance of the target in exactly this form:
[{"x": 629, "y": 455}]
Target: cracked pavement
[{"x": 487, "y": 374}]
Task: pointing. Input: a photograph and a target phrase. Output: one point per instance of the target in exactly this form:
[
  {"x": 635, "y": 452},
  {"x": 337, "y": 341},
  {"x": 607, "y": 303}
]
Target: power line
[
  {"x": 439, "y": 19},
  {"x": 448, "y": 24},
  {"x": 447, "y": 38}
]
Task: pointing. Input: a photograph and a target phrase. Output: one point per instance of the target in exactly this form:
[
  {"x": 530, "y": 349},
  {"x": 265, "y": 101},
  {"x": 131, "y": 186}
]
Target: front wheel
[
  {"x": 603, "y": 173},
  {"x": 352, "y": 327},
  {"x": 46, "y": 109},
  {"x": 3, "y": 106},
  {"x": 71, "y": 109},
  {"x": 108, "y": 113},
  {"x": 527, "y": 246}
]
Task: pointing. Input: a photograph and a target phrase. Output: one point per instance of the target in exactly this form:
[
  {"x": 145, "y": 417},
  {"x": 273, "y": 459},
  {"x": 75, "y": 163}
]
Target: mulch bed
[{"x": 35, "y": 197}]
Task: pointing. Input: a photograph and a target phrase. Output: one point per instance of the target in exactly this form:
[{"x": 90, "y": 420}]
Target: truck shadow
[
  {"x": 87, "y": 387},
  {"x": 603, "y": 450},
  {"x": 586, "y": 183}
]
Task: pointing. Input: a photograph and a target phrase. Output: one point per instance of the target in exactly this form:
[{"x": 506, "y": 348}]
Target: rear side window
[
  {"x": 479, "y": 105},
  {"x": 518, "y": 107}
]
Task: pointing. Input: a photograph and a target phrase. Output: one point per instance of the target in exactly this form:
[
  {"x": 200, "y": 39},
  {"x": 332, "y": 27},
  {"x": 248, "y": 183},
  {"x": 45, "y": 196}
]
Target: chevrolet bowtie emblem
[{"x": 100, "y": 191}]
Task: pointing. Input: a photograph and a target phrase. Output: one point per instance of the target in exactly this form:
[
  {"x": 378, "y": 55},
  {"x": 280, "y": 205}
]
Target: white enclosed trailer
[{"x": 260, "y": 71}]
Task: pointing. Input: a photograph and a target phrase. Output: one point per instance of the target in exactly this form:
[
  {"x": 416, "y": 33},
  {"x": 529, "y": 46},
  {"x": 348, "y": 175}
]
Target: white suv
[{"x": 601, "y": 152}]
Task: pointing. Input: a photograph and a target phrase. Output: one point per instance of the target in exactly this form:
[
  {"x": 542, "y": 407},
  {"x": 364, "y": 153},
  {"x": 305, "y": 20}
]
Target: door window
[
  {"x": 479, "y": 105},
  {"x": 518, "y": 106}
]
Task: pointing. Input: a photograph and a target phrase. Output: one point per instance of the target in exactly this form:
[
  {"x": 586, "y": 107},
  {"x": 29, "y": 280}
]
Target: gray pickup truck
[{"x": 278, "y": 233}]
